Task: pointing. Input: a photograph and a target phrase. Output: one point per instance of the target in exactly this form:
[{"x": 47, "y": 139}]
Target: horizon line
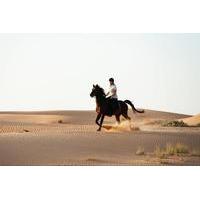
[{"x": 80, "y": 110}]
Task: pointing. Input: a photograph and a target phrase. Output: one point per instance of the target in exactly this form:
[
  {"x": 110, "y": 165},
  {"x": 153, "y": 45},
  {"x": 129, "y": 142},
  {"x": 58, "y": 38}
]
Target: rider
[
  {"x": 112, "y": 95},
  {"x": 112, "y": 92}
]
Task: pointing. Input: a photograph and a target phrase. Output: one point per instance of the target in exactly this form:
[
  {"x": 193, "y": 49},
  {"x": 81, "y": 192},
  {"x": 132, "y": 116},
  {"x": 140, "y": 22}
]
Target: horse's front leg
[
  {"x": 101, "y": 122},
  {"x": 97, "y": 119}
]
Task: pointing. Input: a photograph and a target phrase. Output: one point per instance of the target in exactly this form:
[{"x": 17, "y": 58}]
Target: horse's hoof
[{"x": 98, "y": 129}]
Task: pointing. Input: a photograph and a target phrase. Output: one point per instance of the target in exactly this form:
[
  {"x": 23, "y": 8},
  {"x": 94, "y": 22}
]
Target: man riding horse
[
  {"x": 108, "y": 104},
  {"x": 111, "y": 96}
]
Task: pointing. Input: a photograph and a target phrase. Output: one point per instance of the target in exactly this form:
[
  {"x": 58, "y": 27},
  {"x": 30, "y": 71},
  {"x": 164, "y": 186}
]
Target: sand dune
[
  {"x": 70, "y": 138},
  {"x": 192, "y": 121}
]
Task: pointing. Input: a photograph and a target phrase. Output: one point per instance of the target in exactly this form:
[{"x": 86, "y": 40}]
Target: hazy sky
[{"x": 56, "y": 71}]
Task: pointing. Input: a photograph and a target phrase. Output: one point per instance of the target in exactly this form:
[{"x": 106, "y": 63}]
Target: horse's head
[{"x": 97, "y": 91}]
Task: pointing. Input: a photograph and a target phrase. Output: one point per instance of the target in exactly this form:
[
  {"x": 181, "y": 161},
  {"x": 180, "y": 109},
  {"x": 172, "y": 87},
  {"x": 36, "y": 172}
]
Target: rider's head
[{"x": 111, "y": 80}]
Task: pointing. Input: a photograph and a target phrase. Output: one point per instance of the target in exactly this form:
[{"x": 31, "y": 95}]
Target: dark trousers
[{"x": 113, "y": 104}]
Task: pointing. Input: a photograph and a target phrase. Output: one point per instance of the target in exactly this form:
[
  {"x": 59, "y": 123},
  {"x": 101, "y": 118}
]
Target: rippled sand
[{"x": 70, "y": 138}]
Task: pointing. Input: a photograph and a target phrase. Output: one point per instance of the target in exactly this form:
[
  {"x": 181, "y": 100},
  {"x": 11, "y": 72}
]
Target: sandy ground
[
  {"x": 192, "y": 121},
  {"x": 37, "y": 138}
]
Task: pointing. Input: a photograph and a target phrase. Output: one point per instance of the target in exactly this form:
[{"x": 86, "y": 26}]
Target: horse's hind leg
[
  {"x": 117, "y": 118},
  {"x": 125, "y": 113},
  {"x": 126, "y": 116}
]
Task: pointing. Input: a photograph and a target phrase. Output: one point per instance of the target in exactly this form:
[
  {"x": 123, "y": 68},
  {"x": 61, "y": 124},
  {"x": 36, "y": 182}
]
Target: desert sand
[
  {"x": 192, "y": 121},
  {"x": 70, "y": 138}
]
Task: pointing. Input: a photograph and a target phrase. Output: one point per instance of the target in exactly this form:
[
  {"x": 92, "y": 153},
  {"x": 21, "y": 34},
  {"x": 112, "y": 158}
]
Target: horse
[{"x": 105, "y": 108}]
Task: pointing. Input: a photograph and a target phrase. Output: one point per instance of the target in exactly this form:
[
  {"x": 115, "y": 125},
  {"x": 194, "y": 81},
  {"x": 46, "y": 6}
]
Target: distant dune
[
  {"x": 70, "y": 138},
  {"x": 192, "y": 121}
]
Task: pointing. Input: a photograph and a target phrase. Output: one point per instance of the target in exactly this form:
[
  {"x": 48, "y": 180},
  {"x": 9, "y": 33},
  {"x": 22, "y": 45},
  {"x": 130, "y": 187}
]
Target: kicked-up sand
[{"x": 70, "y": 138}]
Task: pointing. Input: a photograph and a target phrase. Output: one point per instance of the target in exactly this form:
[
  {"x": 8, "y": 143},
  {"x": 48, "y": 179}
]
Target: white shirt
[{"x": 112, "y": 92}]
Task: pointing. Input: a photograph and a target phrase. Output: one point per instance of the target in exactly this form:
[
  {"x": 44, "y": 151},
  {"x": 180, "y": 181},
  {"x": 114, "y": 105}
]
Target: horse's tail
[{"x": 133, "y": 107}]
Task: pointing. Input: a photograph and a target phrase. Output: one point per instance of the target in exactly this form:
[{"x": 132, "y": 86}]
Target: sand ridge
[{"x": 192, "y": 121}]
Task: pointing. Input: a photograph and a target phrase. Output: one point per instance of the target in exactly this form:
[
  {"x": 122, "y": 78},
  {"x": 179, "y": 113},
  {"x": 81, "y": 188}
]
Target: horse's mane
[{"x": 100, "y": 90}]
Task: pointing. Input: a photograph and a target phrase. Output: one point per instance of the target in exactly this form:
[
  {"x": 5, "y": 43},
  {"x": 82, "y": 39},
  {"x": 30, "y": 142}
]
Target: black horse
[{"x": 105, "y": 108}]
